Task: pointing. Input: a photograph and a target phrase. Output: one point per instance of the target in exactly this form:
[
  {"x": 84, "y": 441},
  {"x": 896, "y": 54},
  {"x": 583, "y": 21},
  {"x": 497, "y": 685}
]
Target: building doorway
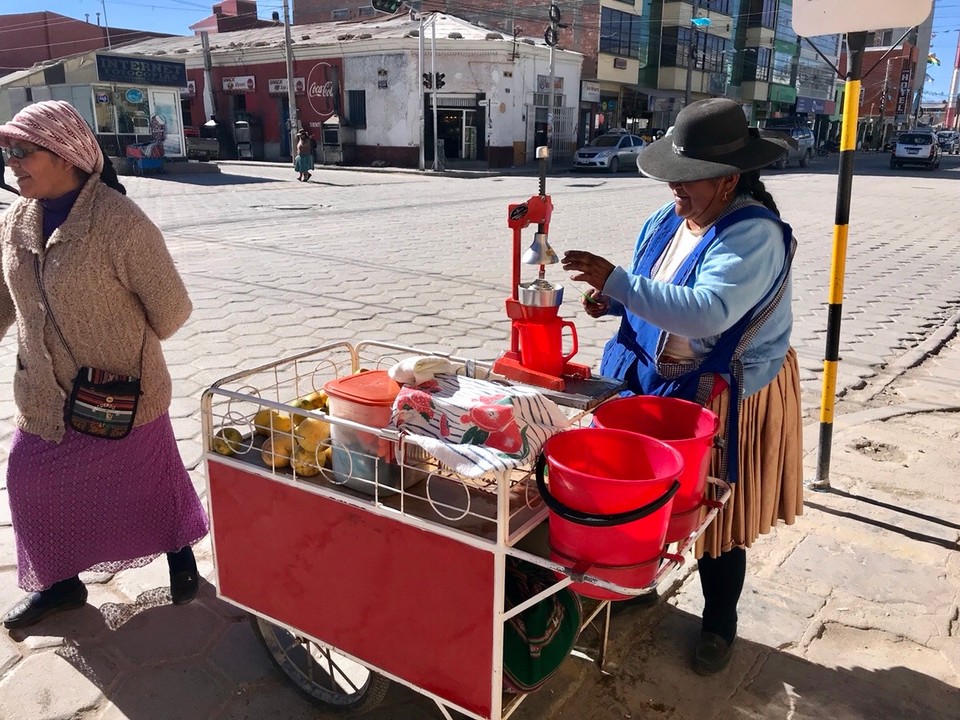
[{"x": 457, "y": 130}]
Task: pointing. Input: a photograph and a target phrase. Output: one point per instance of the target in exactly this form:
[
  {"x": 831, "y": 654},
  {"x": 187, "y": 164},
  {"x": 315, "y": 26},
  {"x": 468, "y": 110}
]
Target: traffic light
[
  {"x": 440, "y": 83},
  {"x": 427, "y": 80},
  {"x": 387, "y": 6}
]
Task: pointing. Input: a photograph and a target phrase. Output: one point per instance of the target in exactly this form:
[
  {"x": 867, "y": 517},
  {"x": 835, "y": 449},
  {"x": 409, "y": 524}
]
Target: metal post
[
  {"x": 422, "y": 162},
  {"x": 848, "y": 145},
  {"x": 291, "y": 91},
  {"x": 209, "y": 101},
  {"x": 433, "y": 74}
]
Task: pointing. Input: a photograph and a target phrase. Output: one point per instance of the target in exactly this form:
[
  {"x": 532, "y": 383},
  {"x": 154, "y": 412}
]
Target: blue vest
[{"x": 631, "y": 354}]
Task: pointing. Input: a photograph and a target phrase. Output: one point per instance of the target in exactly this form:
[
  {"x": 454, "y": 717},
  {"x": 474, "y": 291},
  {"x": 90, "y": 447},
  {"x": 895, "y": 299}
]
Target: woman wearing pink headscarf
[{"x": 88, "y": 280}]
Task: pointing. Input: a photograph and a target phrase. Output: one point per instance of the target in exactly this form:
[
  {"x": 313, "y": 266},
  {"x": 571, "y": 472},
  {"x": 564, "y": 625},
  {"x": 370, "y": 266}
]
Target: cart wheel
[{"x": 331, "y": 680}]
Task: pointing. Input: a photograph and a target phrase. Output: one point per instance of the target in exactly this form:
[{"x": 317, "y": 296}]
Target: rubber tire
[
  {"x": 614, "y": 166},
  {"x": 368, "y": 696},
  {"x": 805, "y": 160},
  {"x": 781, "y": 164}
]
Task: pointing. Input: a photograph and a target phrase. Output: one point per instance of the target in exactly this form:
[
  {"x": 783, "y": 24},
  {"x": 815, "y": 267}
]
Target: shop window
[
  {"x": 341, "y": 14},
  {"x": 133, "y": 111},
  {"x": 103, "y": 113},
  {"x": 357, "y": 108}
]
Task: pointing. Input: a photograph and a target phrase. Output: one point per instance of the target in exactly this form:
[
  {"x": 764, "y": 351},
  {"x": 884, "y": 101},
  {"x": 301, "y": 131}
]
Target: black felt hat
[{"x": 709, "y": 140}]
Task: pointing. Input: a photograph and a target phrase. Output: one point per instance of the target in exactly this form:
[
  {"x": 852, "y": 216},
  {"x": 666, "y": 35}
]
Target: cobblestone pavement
[{"x": 275, "y": 267}]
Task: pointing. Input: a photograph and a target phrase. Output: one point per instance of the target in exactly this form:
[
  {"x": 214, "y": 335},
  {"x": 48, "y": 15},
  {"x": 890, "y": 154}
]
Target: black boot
[
  {"x": 63, "y": 595},
  {"x": 721, "y": 579},
  {"x": 184, "y": 578}
]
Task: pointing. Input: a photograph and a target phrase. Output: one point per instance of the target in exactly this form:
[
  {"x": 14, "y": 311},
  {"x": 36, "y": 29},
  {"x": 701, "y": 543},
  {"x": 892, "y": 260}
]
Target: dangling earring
[{"x": 726, "y": 196}]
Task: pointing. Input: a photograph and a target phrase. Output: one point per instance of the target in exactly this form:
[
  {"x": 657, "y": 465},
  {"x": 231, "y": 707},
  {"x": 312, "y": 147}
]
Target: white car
[
  {"x": 611, "y": 151},
  {"x": 916, "y": 147}
]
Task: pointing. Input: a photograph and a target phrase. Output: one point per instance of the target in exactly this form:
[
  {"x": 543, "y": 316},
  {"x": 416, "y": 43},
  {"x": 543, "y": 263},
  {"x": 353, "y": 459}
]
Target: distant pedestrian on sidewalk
[
  {"x": 303, "y": 163},
  {"x": 89, "y": 282},
  {"x": 705, "y": 316}
]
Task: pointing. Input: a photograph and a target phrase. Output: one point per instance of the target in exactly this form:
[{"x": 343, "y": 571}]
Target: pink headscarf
[{"x": 56, "y": 126}]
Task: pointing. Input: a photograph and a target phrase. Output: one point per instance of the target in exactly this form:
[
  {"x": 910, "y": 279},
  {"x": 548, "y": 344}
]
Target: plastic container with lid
[{"x": 361, "y": 458}]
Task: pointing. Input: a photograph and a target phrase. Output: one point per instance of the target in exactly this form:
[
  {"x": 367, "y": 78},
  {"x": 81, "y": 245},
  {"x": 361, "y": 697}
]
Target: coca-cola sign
[{"x": 321, "y": 86}]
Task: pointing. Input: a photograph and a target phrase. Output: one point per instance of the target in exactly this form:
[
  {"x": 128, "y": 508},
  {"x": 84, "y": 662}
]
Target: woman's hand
[
  {"x": 592, "y": 268},
  {"x": 595, "y": 303}
]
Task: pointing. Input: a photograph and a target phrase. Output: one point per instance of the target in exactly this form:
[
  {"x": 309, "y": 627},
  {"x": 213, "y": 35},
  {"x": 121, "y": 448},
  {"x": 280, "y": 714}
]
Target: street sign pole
[{"x": 856, "y": 42}]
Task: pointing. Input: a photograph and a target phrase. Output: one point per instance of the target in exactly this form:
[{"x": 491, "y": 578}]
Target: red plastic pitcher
[
  {"x": 541, "y": 345},
  {"x": 609, "y": 499},
  {"x": 685, "y": 426}
]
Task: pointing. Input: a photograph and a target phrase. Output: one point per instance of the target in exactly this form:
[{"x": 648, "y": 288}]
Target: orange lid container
[{"x": 374, "y": 387}]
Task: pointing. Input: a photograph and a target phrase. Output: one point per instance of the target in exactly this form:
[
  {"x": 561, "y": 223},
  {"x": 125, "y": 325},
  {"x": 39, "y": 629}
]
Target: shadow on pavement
[{"x": 213, "y": 179}]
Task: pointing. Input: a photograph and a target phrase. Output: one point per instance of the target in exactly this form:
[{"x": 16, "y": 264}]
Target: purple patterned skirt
[{"x": 99, "y": 505}]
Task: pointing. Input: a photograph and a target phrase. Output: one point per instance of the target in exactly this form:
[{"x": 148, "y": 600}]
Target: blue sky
[{"x": 175, "y": 16}]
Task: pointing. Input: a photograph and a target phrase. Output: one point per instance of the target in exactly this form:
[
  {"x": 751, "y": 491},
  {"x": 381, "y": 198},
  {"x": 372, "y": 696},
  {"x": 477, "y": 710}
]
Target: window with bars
[
  {"x": 357, "y": 108},
  {"x": 710, "y": 53}
]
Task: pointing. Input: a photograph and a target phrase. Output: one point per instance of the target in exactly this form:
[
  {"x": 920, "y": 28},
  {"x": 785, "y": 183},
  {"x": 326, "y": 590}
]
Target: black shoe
[
  {"x": 646, "y": 600},
  {"x": 712, "y": 654},
  {"x": 64, "y": 595},
  {"x": 184, "y": 578}
]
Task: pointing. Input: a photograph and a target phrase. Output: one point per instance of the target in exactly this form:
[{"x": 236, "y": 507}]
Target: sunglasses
[{"x": 20, "y": 152}]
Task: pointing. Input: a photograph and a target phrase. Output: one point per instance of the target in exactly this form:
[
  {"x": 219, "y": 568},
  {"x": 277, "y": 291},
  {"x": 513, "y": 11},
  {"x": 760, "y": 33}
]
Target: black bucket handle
[{"x": 584, "y": 518}]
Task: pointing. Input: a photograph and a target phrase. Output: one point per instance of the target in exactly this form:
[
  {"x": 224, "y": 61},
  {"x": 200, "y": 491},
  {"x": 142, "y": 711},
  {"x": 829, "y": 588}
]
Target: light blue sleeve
[{"x": 736, "y": 272}]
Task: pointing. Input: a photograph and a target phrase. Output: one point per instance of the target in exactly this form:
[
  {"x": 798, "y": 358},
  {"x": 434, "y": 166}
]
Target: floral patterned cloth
[{"x": 475, "y": 427}]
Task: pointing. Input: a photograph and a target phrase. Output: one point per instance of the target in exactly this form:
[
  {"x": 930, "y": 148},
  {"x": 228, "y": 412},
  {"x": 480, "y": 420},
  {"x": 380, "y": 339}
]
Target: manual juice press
[{"x": 536, "y": 355}]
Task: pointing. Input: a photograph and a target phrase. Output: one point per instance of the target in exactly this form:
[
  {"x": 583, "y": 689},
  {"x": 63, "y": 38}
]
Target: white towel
[
  {"x": 475, "y": 427},
  {"x": 415, "y": 370}
]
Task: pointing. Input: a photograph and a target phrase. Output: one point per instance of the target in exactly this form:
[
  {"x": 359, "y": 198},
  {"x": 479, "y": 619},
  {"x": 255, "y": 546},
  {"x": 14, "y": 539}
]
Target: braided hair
[{"x": 751, "y": 184}]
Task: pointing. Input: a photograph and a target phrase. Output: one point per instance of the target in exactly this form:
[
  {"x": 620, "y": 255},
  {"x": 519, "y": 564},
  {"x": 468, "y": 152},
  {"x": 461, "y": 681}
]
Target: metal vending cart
[{"x": 394, "y": 573}]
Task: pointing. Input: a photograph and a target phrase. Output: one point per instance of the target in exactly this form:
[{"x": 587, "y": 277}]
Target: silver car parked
[{"x": 612, "y": 151}]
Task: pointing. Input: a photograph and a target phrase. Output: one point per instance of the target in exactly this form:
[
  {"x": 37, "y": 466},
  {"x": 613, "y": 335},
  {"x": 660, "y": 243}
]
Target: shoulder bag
[{"x": 101, "y": 403}]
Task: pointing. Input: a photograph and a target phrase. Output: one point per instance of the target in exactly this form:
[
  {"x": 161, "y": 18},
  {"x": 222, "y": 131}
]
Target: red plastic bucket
[
  {"x": 609, "y": 499},
  {"x": 685, "y": 426}
]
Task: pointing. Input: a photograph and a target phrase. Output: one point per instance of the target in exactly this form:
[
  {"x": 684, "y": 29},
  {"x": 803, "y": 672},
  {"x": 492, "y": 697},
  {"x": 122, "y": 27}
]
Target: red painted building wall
[{"x": 321, "y": 96}]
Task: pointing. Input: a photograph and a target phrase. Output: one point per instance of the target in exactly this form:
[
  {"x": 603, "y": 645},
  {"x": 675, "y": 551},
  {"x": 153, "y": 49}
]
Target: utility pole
[
  {"x": 209, "y": 103},
  {"x": 952, "y": 110},
  {"x": 881, "y": 133},
  {"x": 691, "y": 50},
  {"x": 291, "y": 90},
  {"x": 106, "y": 25},
  {"x": 433, "y": 95},
  {"x": 552, "y": 37}
]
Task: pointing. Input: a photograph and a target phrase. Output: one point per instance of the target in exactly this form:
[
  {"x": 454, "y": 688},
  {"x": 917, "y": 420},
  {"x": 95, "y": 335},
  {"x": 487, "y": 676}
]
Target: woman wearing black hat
[{"x": 705, "y": 315}]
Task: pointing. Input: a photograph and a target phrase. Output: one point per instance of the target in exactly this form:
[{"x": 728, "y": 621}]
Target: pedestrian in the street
[
  {"x": 303, "y": 163},
  {"x": 89, "y": 282},
  {"x": 705, "y": 316},
  {"x": 3, "y": 179}
]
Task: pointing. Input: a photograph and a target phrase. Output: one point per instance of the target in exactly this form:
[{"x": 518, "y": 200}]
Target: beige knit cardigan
[{"x": 113, "y": 288}]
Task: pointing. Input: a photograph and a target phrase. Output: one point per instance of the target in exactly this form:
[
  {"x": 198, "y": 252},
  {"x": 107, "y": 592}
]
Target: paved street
[{"x": 275, "y": 266}]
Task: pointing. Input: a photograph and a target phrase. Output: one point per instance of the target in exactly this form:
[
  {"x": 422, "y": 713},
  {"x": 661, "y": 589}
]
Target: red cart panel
[{"x": 402, "y": 599}]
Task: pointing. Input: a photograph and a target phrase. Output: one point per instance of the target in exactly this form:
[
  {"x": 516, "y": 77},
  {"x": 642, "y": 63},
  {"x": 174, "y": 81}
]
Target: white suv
[{"x": 916, "y": 147}]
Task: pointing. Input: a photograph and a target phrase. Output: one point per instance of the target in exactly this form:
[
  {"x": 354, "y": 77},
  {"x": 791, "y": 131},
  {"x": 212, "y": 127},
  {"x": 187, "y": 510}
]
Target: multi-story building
[{"x": 645, "y": 59}]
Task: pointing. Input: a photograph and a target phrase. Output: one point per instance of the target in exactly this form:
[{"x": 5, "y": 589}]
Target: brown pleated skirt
[{"x": 770, "y": 486}]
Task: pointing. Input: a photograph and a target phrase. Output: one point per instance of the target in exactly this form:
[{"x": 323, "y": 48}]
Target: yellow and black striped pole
[{"x": 848, "y": 145}]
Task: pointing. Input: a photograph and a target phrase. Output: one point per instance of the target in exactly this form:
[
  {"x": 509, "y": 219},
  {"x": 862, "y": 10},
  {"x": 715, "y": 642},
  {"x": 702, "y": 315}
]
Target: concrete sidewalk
[{"x": 851, "y": 613}]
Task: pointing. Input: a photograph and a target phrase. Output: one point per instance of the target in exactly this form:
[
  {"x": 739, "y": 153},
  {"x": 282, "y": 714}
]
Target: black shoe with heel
[
  {"x": 184, "y": 578},
  {"x": 67, "y": 594}
]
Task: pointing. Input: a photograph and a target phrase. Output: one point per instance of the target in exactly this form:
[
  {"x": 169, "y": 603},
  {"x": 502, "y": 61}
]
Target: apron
[{"x": 633, "y": 353}]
